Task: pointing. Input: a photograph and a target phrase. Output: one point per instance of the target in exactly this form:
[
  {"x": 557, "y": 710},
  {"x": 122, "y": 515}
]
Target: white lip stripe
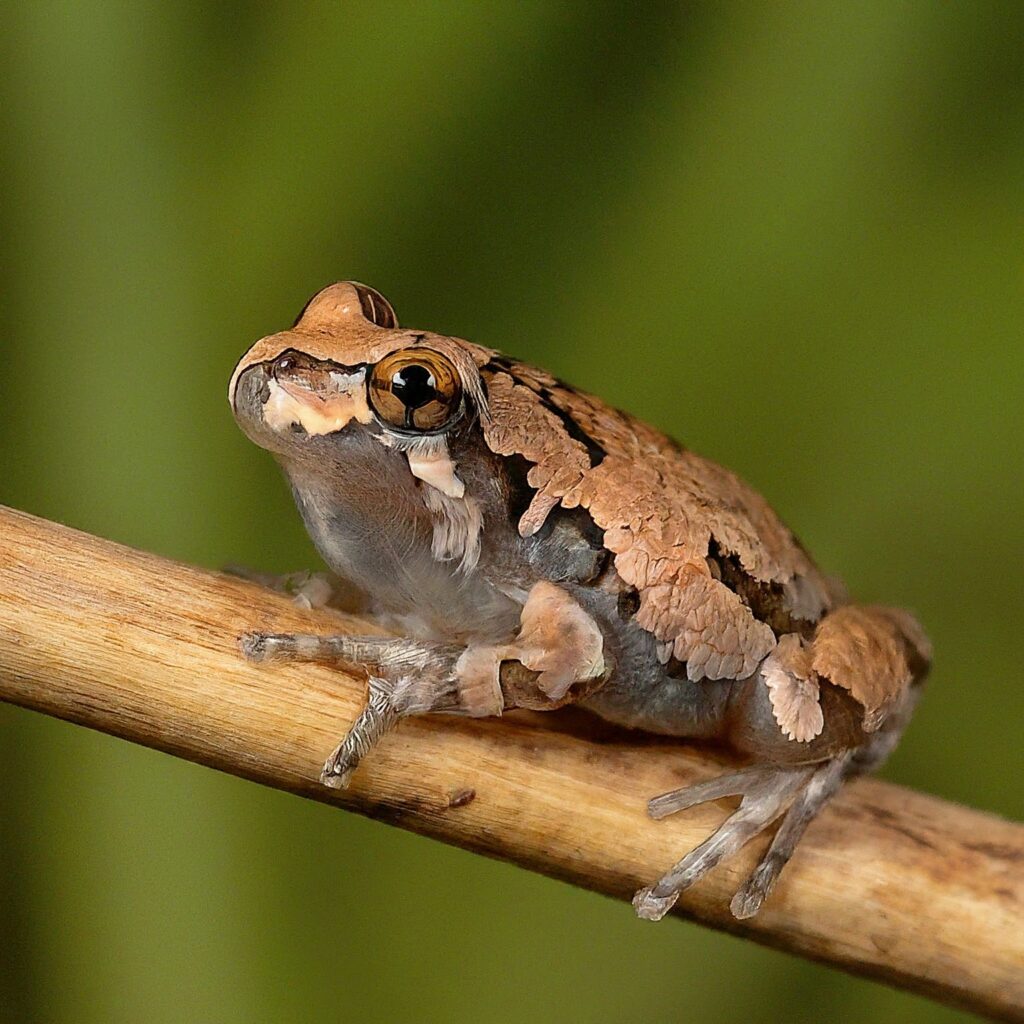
[
  {"x": 347, "y": 381},
  {"x": 289, "y": 405}
]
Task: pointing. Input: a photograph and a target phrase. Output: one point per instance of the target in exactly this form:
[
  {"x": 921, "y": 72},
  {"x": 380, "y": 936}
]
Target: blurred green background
[{"x": 790, "y": 234}]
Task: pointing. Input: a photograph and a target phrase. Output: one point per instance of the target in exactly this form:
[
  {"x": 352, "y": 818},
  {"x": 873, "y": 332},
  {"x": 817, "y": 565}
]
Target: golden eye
[{"x": 415, "y": 389}]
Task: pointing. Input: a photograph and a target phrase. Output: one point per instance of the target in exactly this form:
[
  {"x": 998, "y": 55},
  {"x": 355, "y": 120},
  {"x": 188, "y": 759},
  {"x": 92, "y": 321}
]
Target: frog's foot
[
  {"x": 306, "y": 589},
  {"x": 766, "y": 793}
]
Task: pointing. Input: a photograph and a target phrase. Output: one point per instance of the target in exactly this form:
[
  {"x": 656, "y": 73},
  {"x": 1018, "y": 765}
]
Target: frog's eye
[
  {"x": 284, "y": 364},
  {"x": 415, "y": 389}
]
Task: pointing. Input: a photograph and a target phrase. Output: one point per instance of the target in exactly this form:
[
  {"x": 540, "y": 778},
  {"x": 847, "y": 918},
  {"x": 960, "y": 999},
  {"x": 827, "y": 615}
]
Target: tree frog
[{"x": 528, "y": 546}]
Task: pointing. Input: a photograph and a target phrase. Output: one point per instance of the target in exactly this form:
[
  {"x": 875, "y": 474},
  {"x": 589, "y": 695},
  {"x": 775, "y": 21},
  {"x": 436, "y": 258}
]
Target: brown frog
[{"x": 533, "y": 547}]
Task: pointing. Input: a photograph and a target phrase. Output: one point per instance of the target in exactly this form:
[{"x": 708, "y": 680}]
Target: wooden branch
[{"x": 888, "y": 883}]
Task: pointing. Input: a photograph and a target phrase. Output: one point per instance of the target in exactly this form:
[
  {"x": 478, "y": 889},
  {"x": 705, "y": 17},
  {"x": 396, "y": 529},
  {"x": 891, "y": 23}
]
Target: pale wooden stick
[{"x": 888, "y": 883}]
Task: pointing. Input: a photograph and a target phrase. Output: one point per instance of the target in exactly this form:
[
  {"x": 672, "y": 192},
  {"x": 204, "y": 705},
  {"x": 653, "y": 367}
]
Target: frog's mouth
[{"x": 290, "y": 406}]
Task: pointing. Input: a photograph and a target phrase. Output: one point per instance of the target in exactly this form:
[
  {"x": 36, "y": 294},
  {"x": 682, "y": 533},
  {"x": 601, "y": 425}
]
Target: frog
[{"x": 519, "y": 543}]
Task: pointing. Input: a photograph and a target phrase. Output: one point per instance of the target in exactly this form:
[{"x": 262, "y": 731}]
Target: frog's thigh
[{"x": 560, "y": 647}]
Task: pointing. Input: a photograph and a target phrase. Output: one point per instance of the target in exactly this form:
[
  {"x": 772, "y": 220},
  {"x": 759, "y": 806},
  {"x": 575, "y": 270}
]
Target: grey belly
[
  {"x": 641, "y": 693},
  {"x": 657, "y": 703}
]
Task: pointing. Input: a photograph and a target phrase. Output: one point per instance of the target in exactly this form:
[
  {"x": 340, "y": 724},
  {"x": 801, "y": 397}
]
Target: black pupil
[{"x": 413, "y": 385}]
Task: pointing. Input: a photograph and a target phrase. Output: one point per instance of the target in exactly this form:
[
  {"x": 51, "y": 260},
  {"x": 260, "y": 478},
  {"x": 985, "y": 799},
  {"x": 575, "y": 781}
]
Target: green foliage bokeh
[{"x": 789, "y": 234}]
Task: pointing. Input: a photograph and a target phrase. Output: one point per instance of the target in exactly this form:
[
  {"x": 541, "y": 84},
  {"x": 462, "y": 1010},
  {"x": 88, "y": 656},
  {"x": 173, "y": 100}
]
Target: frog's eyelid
[{"x": 375, "y": 307}]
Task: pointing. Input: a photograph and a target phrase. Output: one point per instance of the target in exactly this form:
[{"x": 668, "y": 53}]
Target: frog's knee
[
  {"x": 754, "y": 728},
  {"x": 816, "y": 697}
]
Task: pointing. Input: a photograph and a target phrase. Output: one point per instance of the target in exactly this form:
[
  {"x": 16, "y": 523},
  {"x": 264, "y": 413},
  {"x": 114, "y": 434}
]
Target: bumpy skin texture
[{"x": 540, "y": 548}]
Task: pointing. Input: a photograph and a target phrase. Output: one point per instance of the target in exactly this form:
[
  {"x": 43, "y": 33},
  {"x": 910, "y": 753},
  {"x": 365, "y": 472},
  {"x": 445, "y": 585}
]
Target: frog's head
[
  {"x": 367, "y": 416},
  {"x": 347, "y": 372}
]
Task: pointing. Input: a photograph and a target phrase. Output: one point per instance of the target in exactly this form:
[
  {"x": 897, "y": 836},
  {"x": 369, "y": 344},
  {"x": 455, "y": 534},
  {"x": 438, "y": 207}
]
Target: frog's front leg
[
  {"x": 556, "y": 656},
  {"x": 308, "y": 589},
  {"x": 406, "y": 677}
]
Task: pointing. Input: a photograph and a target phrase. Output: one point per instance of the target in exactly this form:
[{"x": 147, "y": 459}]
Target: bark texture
[{"x": 889, "y": 883}]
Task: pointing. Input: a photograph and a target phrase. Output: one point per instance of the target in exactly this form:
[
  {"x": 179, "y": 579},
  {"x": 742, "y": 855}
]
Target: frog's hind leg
[
  {"x": 819, "y": 788},
  {"x": 766, "y": 793},
  {"x": 730, "y": 784},
  {"x": 818, "y": 713}
]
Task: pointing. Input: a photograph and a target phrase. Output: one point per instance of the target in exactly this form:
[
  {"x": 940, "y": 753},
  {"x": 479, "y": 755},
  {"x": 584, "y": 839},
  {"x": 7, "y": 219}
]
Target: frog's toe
[
  {"x": 339, "y": 767},
  {"x": 335, "y": 775},
  {"x": 750, "y": 897},
  {"x": 253, "y": 646},
  {"x": 259, "y": 647},
  {"x": 734, "y": 783},
  {"x": 307, "y": 589},
  {"x": 311, "y": 590},
  {"x": 766, "y": 794},
  {"x": 812, "y": 796},
  {"x": 651, "y": 907}
]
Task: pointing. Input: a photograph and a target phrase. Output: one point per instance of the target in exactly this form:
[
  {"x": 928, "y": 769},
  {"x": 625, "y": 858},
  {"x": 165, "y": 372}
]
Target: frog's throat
[
  {"x": 456, "y": 514},
  {"x": 457, "y": 521}
]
